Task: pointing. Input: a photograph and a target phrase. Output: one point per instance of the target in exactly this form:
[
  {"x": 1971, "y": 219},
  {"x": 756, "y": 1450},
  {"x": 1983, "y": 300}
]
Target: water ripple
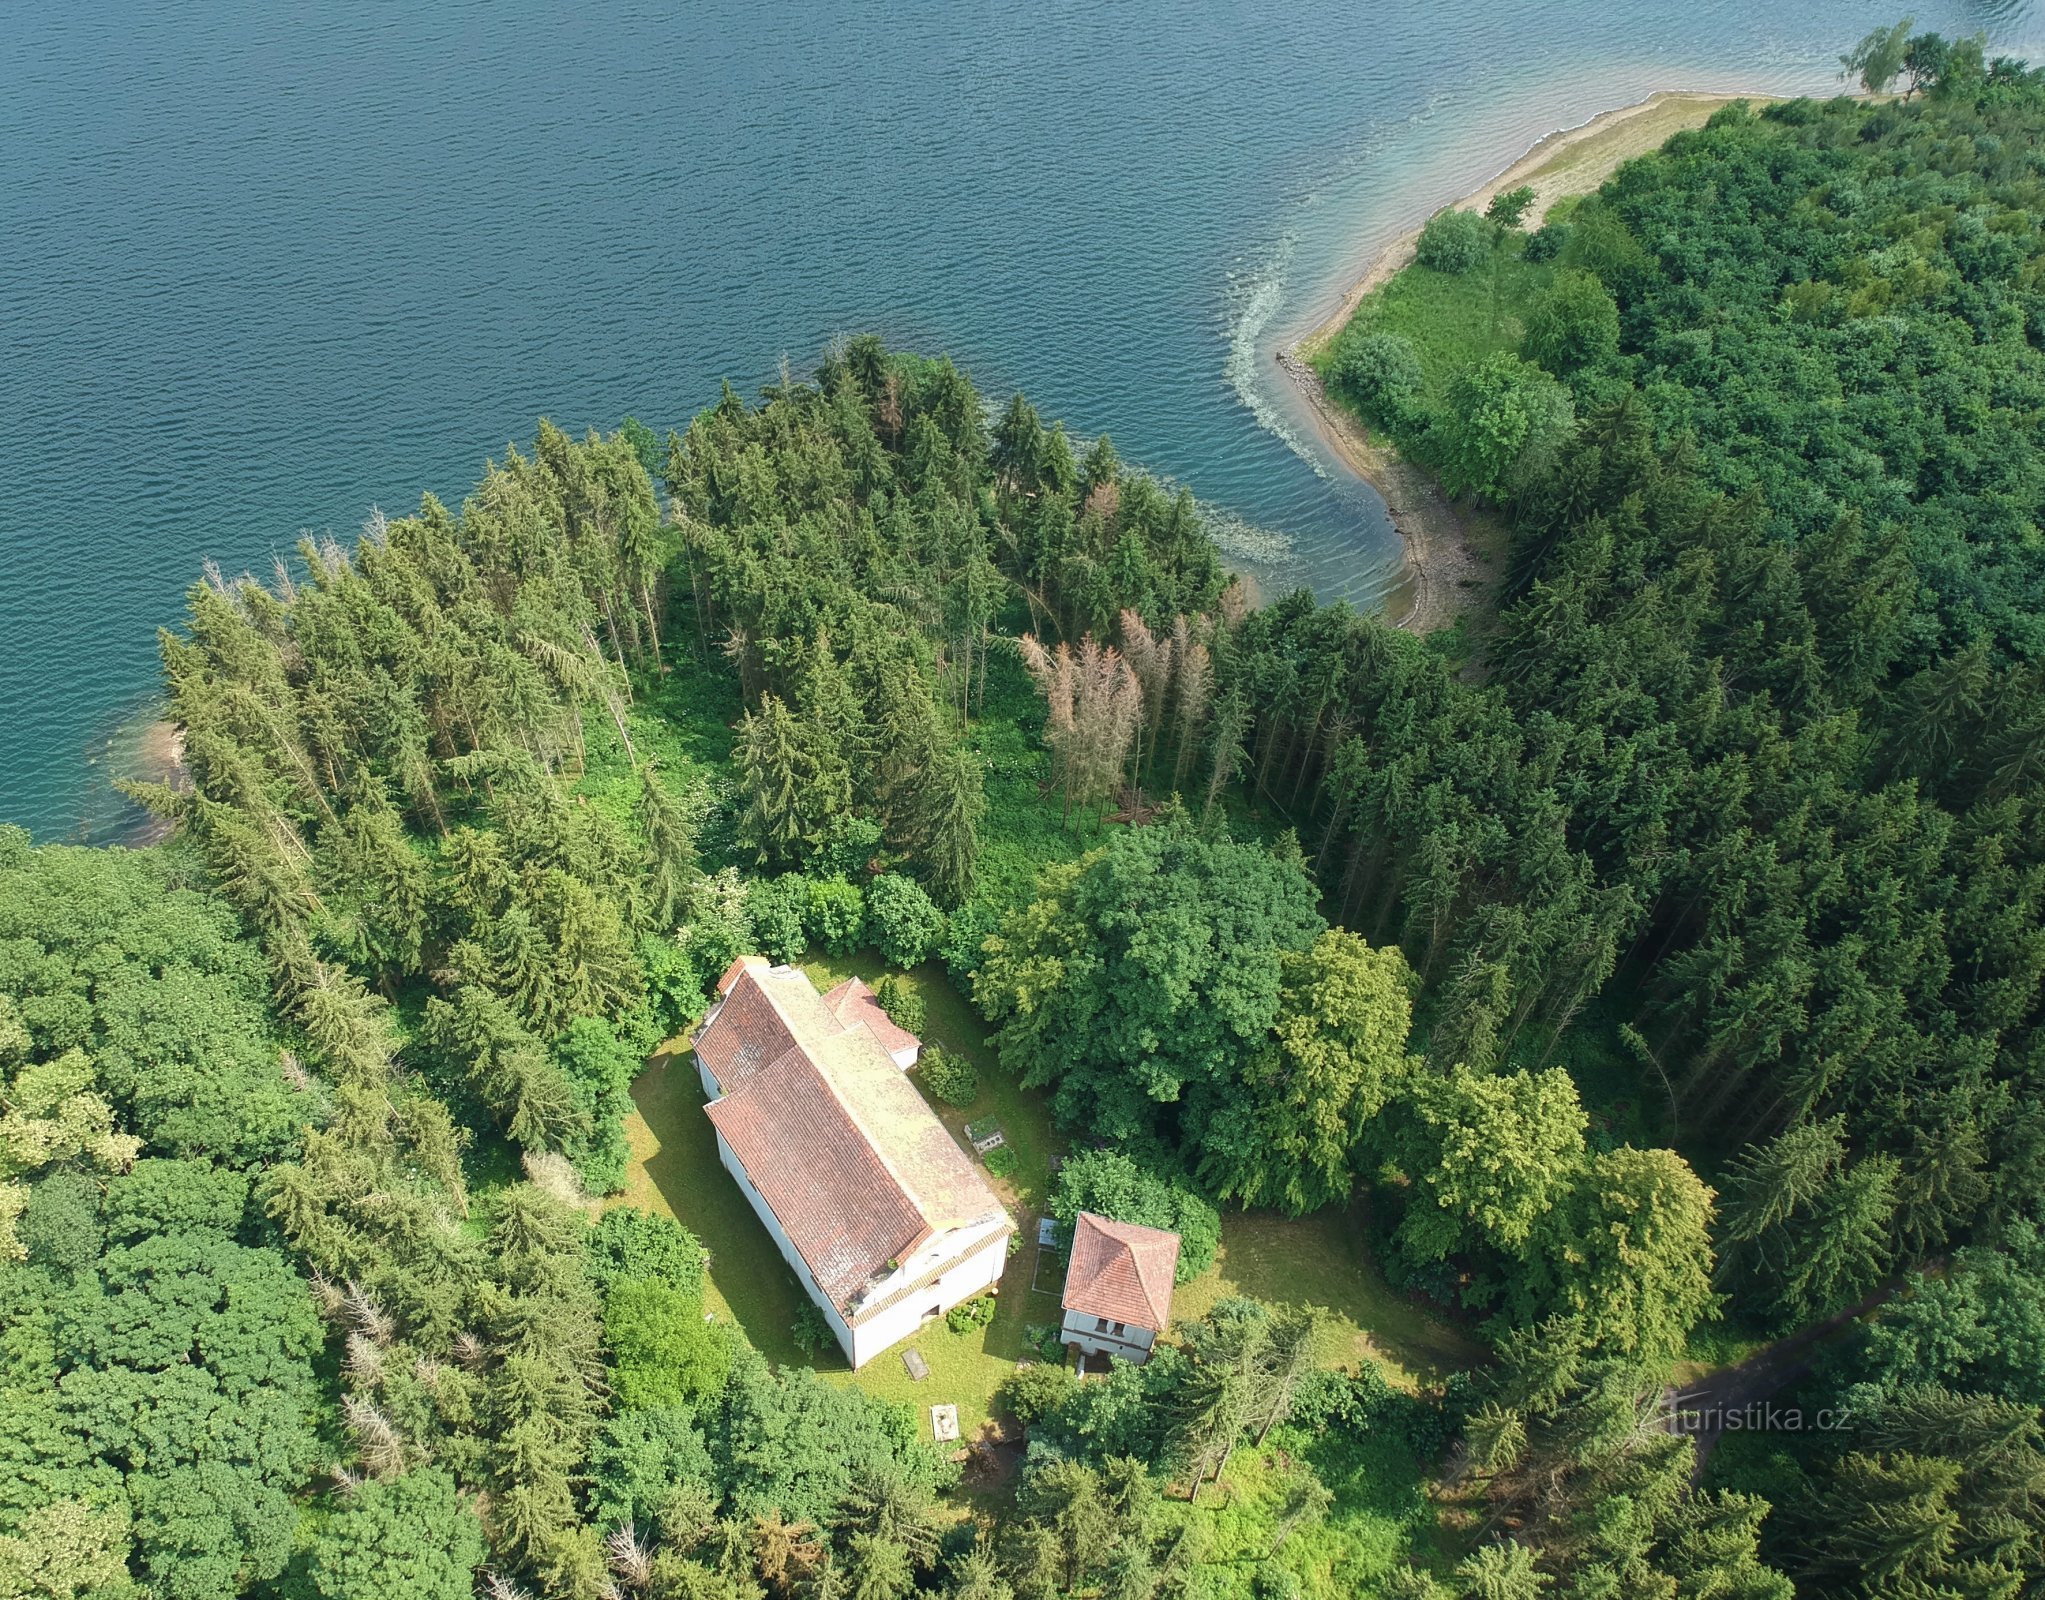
[{"x": 262, "y": 267}]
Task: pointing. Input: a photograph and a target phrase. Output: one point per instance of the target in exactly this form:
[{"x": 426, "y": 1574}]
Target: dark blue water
[{"x": 264, "y": 266}]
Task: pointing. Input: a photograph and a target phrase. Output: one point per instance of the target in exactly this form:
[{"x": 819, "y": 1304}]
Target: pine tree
[
  {"x": 670, "y": 833},
  {"x": 793, "y": 781},
  {"x": 947, "y": 832}
]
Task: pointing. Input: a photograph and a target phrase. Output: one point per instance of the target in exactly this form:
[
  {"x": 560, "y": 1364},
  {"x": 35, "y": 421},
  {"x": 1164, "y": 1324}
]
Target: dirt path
[
  {"x": 1740, "y": 1395},
  {"x": 1452, "y": 551}
]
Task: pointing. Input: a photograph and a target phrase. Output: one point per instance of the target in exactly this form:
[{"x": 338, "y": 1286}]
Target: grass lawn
[
  {"x": 1323, "y": 1259},
  {"x": 1454, "y": 319},
  {"x": 675, "y": 1170}
]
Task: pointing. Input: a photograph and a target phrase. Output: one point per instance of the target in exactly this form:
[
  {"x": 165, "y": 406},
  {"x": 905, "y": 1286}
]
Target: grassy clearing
[
  {"x": 675, "y": 1171},
  {"x": 1452, "y": 319},
  {"x": 1324, "y": 1259}
]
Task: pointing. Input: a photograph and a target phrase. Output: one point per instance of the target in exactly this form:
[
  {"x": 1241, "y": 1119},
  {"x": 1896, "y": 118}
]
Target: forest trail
[{"x": 1701, "y": 1410}]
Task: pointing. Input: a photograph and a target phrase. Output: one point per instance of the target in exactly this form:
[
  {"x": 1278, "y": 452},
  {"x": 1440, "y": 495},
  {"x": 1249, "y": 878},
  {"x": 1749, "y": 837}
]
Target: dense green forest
[{"x": 1652, "y": 973}]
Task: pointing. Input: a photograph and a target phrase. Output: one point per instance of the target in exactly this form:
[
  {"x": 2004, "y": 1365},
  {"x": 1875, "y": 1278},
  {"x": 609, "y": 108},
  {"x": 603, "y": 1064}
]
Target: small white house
[
  {"x": 1118, "y": 1287},
  {"x": 881, "y": 1216}
]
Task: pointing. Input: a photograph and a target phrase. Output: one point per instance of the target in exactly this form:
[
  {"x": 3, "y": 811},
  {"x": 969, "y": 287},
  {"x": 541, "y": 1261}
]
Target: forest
[{"x": 1654, "y": 968}]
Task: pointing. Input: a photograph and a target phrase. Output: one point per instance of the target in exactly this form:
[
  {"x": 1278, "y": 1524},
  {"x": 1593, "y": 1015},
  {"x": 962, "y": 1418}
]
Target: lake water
[{"x": 264, "y": 266}]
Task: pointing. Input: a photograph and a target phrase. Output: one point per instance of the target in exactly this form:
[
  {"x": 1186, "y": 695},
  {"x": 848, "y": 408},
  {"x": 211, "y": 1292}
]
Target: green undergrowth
[{"x": 1452, "y": 319}]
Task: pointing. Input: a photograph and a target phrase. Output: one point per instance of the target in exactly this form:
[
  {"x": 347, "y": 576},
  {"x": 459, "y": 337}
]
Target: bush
[
  {"x": 1382, "y": 371},
  {"x": 970, "y": 1314},
  {"x": 1001, "y": 1161},
  {"x": 1547, "y": 242},
  {"x": 662, "y": 1351},
  {"x": 1600, "y": 242},
  {"x": 902, "y": 921},
  {"x": 1271, "y": 1581},
  {"x": 1455, "y": 241},
  {"x": 951, "y": 1078},
  {"x": 850, "y": 844},
  {"x": 599, "y": 1068},
  {"x": 1035, "y": 1392},
  {"x": 966, "y": 930},
  {"x": 834, "y": 915},
  {"x": 1502, "y": 415},
  {"x": 675, "y": 988},
  {"x": 1575, "y": 324},
  {"x": 629, "y": 1243},
  {"x": 637, "y": 1463},
  {"x": 1109, "y": 1184},
  {"x": 776, "y": 907},
  {"x": 811, "y": 1332},
  {"x": 1509, "y": 207},
  {"x": 903, "y": 1005}
]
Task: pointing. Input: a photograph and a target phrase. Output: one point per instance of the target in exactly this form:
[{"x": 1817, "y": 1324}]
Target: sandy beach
[{"x": 1447, "y": 544}]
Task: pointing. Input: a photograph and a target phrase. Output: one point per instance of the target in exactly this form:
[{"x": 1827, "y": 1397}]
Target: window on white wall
[{"x": 1100, "y": 1324}]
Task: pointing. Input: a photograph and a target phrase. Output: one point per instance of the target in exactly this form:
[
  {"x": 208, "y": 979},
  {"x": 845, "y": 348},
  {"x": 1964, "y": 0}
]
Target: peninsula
[{"x": 1450, "y": 543}]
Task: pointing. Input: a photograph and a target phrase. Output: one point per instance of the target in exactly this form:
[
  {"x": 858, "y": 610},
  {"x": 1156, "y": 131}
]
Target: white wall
[
  {"x": 861, "y": 1342},
  {"x": 980, "y": 1270},
  {"x": 789, "y": 1253},
  {"x": 1132, "y": 1344}
]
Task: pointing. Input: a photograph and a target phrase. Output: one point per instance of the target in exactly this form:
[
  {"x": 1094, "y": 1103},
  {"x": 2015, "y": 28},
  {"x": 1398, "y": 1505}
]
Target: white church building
[{"x": 883, "y": 1218}]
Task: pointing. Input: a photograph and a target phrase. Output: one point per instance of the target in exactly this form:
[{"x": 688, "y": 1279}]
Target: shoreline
[{"x": 1446, "y": 545}]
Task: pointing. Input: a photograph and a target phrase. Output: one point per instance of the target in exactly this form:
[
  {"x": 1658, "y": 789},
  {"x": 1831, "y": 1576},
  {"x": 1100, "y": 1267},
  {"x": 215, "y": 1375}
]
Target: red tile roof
[
  {"x": 854, "y": 1165},
  {"x": 1121, "y": 1271},
  {"x": 814, "y": 1166},
  {"x": 852, "y": 1002},
  {"x": 746, "y": 1034}
]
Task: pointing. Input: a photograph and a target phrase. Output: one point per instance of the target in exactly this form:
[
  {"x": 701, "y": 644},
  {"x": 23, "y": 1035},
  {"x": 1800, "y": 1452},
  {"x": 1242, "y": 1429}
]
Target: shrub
[
  {"x": 965, "y": 931},
  {"x": 812, "y": 1334},
  {"x": 1382, "y": 371},
  {"x": 629, "y": 1243},
  {"x": 1575, "y": 324},
  {"x": 903, "y": 1005},
  {"x": 1035, "y": 1392},
  {"x": 1109, "y": 1184},
  {"x": 970, "y": 1314},
  {"x": 1509, "y": 207},
  {"x": 951, "y": 1078},
  {"x": 599, "y": 1068},
  {"x": 776, "y": 908},
  {"x": 1001, "y": 1161},
  {"x": 834, "y": 915},
  {"x": 1455, "y": 241},
  {"x": 1272, "y": 1581},
  {"x": 638, "y": 1464},
  {"x": 902, "y": 921},
  {"x": 1600, "y": 242},
  {"x": 848, "y": 849},
  {"x": 662, "y": 1351},
  {"x": 1547, "y": 242},
  {"x": 1502, "y": 413}
]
